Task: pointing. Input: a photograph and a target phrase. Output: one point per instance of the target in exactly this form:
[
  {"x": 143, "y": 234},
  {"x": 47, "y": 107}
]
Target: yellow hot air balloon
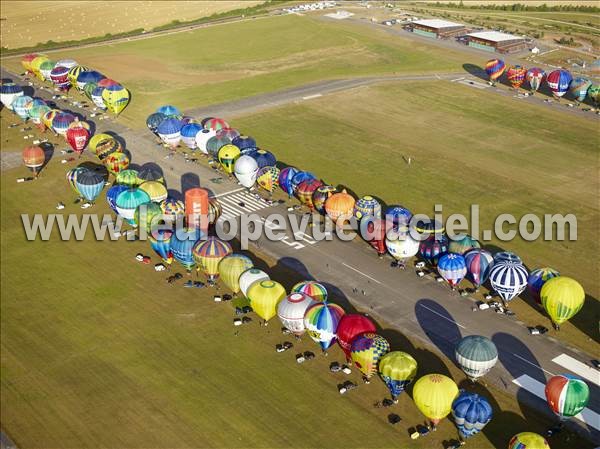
[
  {"x": 74, "y": 73},
  {"x": 562, "y": 297},
  {"x": 208, "y": 254},
  {"x": 231, "y": 268},
  {"x": 156, "y": 190},
  {"x": 36, "y": 65},
  {"x": 264, "y": 297},
  {"x": 116, "y": 98},
  {"x": 528, "y": 440},
  {"x": 433, "y": 395},
  {"x": 228, "y": 154}
]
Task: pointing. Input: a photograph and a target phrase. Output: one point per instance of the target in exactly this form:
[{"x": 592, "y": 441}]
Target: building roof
[
  {"x": 437, "y": 23},
  {"x": 494, "y": 36}
]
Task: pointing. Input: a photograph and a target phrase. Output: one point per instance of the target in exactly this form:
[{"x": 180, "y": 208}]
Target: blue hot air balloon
[
  {"x": 90, "y": 76},
  {"x": 285, "y": 179},
  {"x": 399, "y": 216},
  {"x": 300, "y": 177},
  {"x": 169, "y": 110},
  {"x": 8, "y": 93},
  {"x": 244, "y": 143},
  {"x": 479, "y": 264},
  {"x": 507, "y": 256},
  {"x": 20, "y": 106},
  {"x": 264, "y": 158},
  {"x": 508, "y": 279},
  {"x": 113, "y": 193},
  {"x": 154, "y": 120},
  {"x": 160, "y": 241},
  {"x": 170, "y": 131},
  {"x": 558, "y": 81},
  {"x": 433, "y": 247},
  {"x": 471, "y": 413},
  {"x": 182, "y": 243},
  {"x": 453, "y": 268},
  {"x": 188, "y": 134},
  {"x": 536, "y": 280},
  {"x": 89, "y": 184}
]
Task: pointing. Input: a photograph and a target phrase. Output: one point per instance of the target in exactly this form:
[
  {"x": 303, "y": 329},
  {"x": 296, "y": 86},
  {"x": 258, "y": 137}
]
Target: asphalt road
[{"x": 419, "y": 307}]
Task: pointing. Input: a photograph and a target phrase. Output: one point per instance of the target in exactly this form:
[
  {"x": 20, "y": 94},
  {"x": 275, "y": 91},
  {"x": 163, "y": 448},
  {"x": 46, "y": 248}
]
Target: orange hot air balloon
[
  {"x": 196, "y": 208},
  {"x": 340, "y": 205},
  {"x": 34, "y": 158}
]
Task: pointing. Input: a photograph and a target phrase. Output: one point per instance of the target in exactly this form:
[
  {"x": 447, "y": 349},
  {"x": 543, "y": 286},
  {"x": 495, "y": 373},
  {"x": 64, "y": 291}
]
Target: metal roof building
[
  {"x": 496, "y": 41},
  {"x": 437, "y": 28}
]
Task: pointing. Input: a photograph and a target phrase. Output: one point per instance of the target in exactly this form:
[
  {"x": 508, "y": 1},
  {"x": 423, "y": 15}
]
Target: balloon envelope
[
  {"x": 471, "y": 413},
  {"x": 397, "y": 369},
  {"x": 479, "y": 264},
  {"x": 208, "y": 253},
  {"x": 528, "y": 440},
  {"x": 508, "y": 279},
  {"x": 567, "y": 395},
  {"x": 311, "y": 288},
  {"x": 264, "y": 297},
  {"x": 291, "y": 311},
  {"x": 476, "y": 355},
  {"x": 536, "y": 280},
  {"x": 452, "y": 267},
  {"x": 433, "y": 395},
  {"x": 321, "y": 321},
  {"x": 350, "y": 326},
  {"x": 249, "y": 277},
  {"x": 562, "y": 297},
  {"x": 366, "y": 350}
]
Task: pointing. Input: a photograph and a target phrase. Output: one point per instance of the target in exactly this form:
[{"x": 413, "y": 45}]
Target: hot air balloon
[
  {"x": 72, "y": 178},
  {"x": 579, "y": 88},
  {"x": 116, "y": 98},
  {"x": 128, "y": 177},
  {"x": 147, "y": 216},
  {"x": 516, "y": 75},
  {"x": 231, "y": 268},
  {"x": 476, "y": 356},
  {"x": 74, "y": 74},
  {"x": 227, "y": 156},
  {"x": 433, "y": 247},
  {"x": 182, "y": 243},
  {"x": 285, "y": 179},
  {"x": 399, "y": 216},
  {"x": 433, "y": 395},
  {"x": 264, "y": 297},
  {"x": 249, "y": 277},
  {"x": 8, "y": 93},
  {"x": 471, "y": 413},
  {"x": 350, "y": 326},
  {"x": 300, "y": 177},
  {"x": 61, "y": 123},
  {"x": 128, "y": 201},
  {"x": 367, "y": 206},
  {"x": 208, "y": 253},
  {"x": 89, "y": 184},
  {"x": 428, "y": 226},
  {"x": 169, "y": 111},
  {"x": 34, "y": 158},
  {"x": 463, "y": 244},
  {"x": 37, "y": 113},
  {"x": 267, "y": 177},
  {"x": 214, "y": 210},
  {"x": 452, "y": 268},
  {"x": 155, "y": 190},
  {"x": 321, "y": 195},
  {"x": 229, "y": 133},
  {"x": 214, "y": 145},
  {"x": 88, "y": 76},
  {"x": 26, "y": 61},
  {"x": 479, "y": 264},
  {"x": 291, "y": 311},
  {"x": 36, "y": 65},
  {"x": 594, "y": 93},
  {"x": 112, "y": 194},
  {"x": 305, "y": 191},
  {"x": 160, "y": 241},
  {"x": 536, "y": 280},
  {"x": 77, "y": 136},
  {"x": 311, "y": 288},
  {"x": 96, "y": 95},
  {"x": 188, "y": 134},
  {"x": 68, "y": 63},
  {"x": 397, "y": 369},
  {"x": 34, "y": 109},
  {"x": 321, "y": 321},
  {"x": 172, "y": 209},
  {"x": 46, "y": 68},
  {"x": 216, "y": 124},
  {"x": 567, "y": 395},
  {"x": 366, "y": 350},
  {"x": 508, "y": 279},
  {"x": 264, "y": 158},
  {"x": 59, "y": 77},
  {"x": 116, "y": 161},
  {"x": 373, "y": 231},
  {"x": 562, "y": 297},
  {"x": 246, "y": 170},
  {"x": 88, "y": 89},
  {"x": 528, "y": 440},
  {"x": 20, "y": 106},
  {"x": 401, "y": 245},
  {"x": 507, "y": 256},
  {"x": 558, "y": 81},
  {"x": 494, "y": 68},
  {"x": 244, "y": 143},
  {"x": 154, "y": 120},
  {"x": 48, "y": 117},
  {"x": 340, "y": 205},
  {"x": 535, "y": 76},
  {"x": 196, "y": 207}
]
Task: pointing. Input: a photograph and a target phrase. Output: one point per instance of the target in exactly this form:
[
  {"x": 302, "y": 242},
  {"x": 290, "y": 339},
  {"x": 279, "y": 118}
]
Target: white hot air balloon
[
  {"x": 249, "y": 277},
  {"x": 245, "y": 170},
  {"x": 291, "y": 311},
  {"x": 508, "y": 279},
  {"x": 476, "y": 355},
  {"x": 203, "y": 137}
]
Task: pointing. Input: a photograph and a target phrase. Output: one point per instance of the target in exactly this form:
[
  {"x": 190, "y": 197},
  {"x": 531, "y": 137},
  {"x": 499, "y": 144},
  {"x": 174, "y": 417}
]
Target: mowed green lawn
[
  {"x": 232, "y": 61},
  {"x": 467, "y": 147},
  {"x": 98, "y": 351}
]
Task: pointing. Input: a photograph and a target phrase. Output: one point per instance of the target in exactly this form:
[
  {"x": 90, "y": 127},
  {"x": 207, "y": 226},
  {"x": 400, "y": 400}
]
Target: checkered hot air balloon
[
  {"x": 172, "y": 209},
  {"x": 453, "y": 268},
  {"x": 535, "y": 76},
  {"x": 321, "y": 321},
  {"x": 350, "y": 326},
  {"x": 508, "y": 279},
  {"x": 479, "y": 264},
  {"x": 567, "y": 395},
  {"x": 305, "y": 192},
  {"x": 366, "y": 350},
  {"x": 311, "y": 288},
  {"x": 558, "y": 81},
  {"x": 516, "y": 75},
  {"x": 536, "y": 280},
  {"x": 494, "y": 68},
  {"x": 267, "y": 178}
]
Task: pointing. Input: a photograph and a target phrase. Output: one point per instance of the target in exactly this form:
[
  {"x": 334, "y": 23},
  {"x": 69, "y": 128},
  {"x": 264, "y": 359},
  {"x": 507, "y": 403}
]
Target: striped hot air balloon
[
  {"x": 471, "y": 413},
  {"x": 182, "y": 243},
  {"x": 508, "y": 279},
  {"x": 285, "y": 179},
  {"x": 453, "y": 268},
  {"x": 208, "y": 253},
  {"x": 61, "y": 122},
  {"x": 507, "y": 256},
  {"x": 291, "y": 310},
  {"x": 160, "y": 242},
  {"x": 476, "y": 356},
  {"x": 433, "y": 247},
  {"x": 128, "y": 201},
  {"x": 479, "y": 264},
  {"x": 216, "y": 124},
  {"x": 8, "y": 93},
  {"x": 367, "y": 350},
  {"x": 494, "y": 68},
  {"x": 558, "y": 81},
  {"x": 567, "y": 395},
  {"x": 535, "y": 76},
  {"x": 321, "y": 195},
  {"x": 89, "y": 184},
  {"x": 311, "y": 288},
  {"x": 536, "y": 280},
  {"x": 215, "y": 210},
  {"x": 321, "y": 321},
  {"x": 128, "y": 178},
  {"x": 305, "y": 192},
  {"x": 516, "y": 75},
  {"x": 155, "y": 190},
  {"x": 60, "y": 77},
  {"x": 74, "y": 74}
]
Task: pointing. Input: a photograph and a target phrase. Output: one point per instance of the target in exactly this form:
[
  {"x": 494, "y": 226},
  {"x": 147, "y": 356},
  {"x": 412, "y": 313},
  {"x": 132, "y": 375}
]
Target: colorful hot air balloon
[
  {"x": 494, "y": 68},
  {"x": 508, "y": 279},
  {"x": 433, "y": 395},
  {"x": 160, "y": 241},
  {"x": 214, "y": 145},
  {"x": 74, "y": 74},
  {"x": 291, "y": 311},
  {"x": 169, "y": 111},
  {"x": 188, "y": 134},
  {"x": 593, "y": 93},
  {"x": 249, "y": 277},
  {"x": 321, "y": 195},
  {"x": 507, "y": 256},
  {"x": 61, "y": 122},
  {"x": 154, "y": 120},
  {"x": 34, "y": 158},
  {"x": 311, "y": 288},
  {"x": 37, "y": 114},
  {"x": 72, "y": 178},
  {"x": 216, "y": 124},
  {"x": 528, "y": 440},
  {"x": 558, "y": 81},
  {"x": 113, "y": 193},
  {"x": 267, "y": 177},
  {"x": 128, "y": 201},
  {"x": 340, "y": 205},
  {"x": 479, "y": 264},
  {"x": 231, "y": 268},
  {"x": 116, "y": 98},
  {"x": 26, "y": 61},
  {"x": 367, "y": 206},
  {"x": 397, "y": 369},
  {"x": 536, "y": 280},
  {"x": 8, "y": 93},
  {"x": 77, "y": 136},
  {"x": 305, "y": 191},
  {"x": 48, "y": 117},
  {"x": 156, "y": 190},
  {"x": 579, "y": 88},
  {"x": 562, "y": 297},
  {"x": 516, "y": 75},
  {"x": 96, "y": 95},
  {"x": 88, "y": 76},
  {"x": 463, "y": 244},
  {"x": 128, "y": 177},
  {"x": 366, "y": 350},
  {"x": 208, "y": 253},
  {"x": 227, "y": 156},
  {"x": 116, "y": 161},
  {"x": 147, "y": 216},
  {"x": 350, "y": 326},
  {"x": 433, "y": 247},
  {"x": 452, "y": 268},
  {"x": 471, "y": 413},
  {"x": 89, "y": 184},
  {"x": 46, "y": 68},
  {"x": 20, "y": 106},
  {"x": 36, "y": 65},
  {"x": 567, "y": 395},
  {"x": 264, "y": 297},
  {"x": 321, "y": 322},
  {"x": 214, "y": 210},
  {"x": 428, "y": 226},
  {"x": 88, "y": 89},
  {"x": 173, "y": 210},
  {"x": 399, "y": 216},
  {"x": 300, "y": 177},
  {"x": 246, "y": 170},
  {"x": 535, "y": 76},
  {"x": 285, "y": 179},
  {"x": 476, "y": 356},
  {"x": 244, "y": 143},
  {"x": 182, "y": 243}
]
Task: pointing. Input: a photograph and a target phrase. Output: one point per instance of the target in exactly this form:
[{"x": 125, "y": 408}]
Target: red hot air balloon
[
  {"x": 349, "y": 327},
  {"x": 77, "y": 137}
]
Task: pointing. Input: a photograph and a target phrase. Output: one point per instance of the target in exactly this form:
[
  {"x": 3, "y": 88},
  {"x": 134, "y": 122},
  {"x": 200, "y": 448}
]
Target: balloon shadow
[
  {"x": 475, "y": 71},
  {"x": 189, "y": 181},
  {"x": 438, "y": 325},
  {"x": 588, "y": 318},
  {"x": 175, "y": 194},
  {"x": 48, "y": 153}
]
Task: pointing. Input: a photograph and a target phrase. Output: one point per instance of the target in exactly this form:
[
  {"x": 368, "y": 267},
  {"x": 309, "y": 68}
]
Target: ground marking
[
  {"x": 227, "y": 193},
  {"x": 360, "y": 272},
  {"x": 581, "y": 369},
  {"x": 531, "y": 363},
  {"x": 443, "y": 316},
  {"x": 310, "y": 97}
]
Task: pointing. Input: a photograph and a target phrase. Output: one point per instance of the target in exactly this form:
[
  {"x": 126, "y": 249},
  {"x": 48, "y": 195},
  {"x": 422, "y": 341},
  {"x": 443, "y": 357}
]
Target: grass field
[
  {"x": 468, "y": 147},
  {"x": 169, "y": 69},
  {"x": 98, "y": 351},
  {"x": 27, "y": 23}
]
